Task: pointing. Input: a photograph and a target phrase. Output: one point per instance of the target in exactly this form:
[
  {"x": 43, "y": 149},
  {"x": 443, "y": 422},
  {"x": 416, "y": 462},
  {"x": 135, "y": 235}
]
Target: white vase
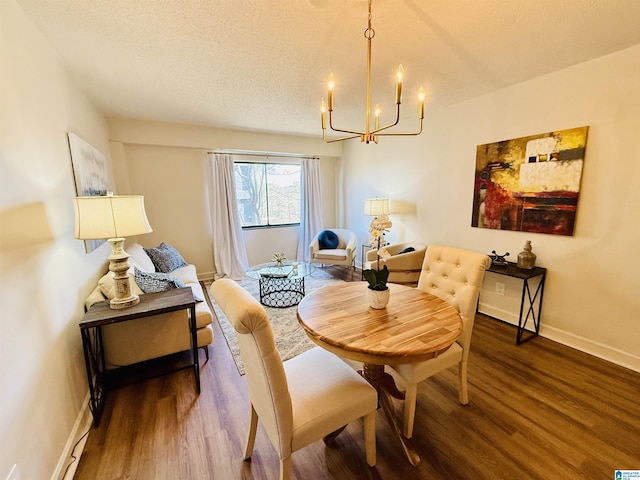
[{"x": 378, "y": 299}]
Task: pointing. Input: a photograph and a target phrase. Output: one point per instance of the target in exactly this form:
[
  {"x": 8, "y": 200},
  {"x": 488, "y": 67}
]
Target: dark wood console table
[
  {"x": 101, "y": 314},
  {"x": 511, "y": 270}
]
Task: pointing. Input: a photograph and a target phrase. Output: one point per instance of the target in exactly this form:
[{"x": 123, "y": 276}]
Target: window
[{"x": 268, "y": 193}]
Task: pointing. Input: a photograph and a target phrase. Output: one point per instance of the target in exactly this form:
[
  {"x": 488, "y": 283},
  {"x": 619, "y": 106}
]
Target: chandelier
[{"x": 369, "y": 135}]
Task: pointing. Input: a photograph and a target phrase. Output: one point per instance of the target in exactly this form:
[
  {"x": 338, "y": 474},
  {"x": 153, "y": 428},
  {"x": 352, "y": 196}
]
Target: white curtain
[
  {"x": 310, "y": 205},
  {"x": 229, "y": 252}
]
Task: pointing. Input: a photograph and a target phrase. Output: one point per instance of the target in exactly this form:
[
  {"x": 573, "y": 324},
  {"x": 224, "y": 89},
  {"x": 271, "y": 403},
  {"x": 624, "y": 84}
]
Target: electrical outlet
[
  {"x": 14, "y": 474},
  {"x": 499, "y": 288}
]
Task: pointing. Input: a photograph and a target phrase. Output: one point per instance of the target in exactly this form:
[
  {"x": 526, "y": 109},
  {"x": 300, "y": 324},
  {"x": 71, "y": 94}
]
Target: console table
[
  {"x": 528, "y": 297},
  {"x": 102, "y": 314}
]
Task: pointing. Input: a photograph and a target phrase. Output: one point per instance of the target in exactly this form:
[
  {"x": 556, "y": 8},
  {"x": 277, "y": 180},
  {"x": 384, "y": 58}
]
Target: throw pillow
[
  {"x": 165, "y": 258},
  {"x": 406, "y": 250},
  {"x": 328, "y": 240},
  {"x": 142, "y": 259},
  {"x": 159, "y": 282}
]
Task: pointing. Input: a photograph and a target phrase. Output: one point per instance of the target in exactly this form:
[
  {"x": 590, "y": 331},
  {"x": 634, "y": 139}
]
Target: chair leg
[
  {"x": 285, "y": 468},
  {"x": 462, "y": 374},
  {"x": 253, "y": 428},
  {"x": 370, "y": 437},
  {"x": 206, "y": 351},
  {"x": 410, "y": 398}
]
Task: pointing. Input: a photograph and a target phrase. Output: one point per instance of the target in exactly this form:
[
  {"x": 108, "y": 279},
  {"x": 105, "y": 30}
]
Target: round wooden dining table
[{"x": 415, "y": 326}]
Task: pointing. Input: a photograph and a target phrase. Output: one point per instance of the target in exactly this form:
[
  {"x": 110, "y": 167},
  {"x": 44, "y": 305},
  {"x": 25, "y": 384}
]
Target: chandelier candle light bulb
[
  {"x": 399, "y": 78},
  {"x": 323, "y": 110},
  {"x": 331, "y": 83}
]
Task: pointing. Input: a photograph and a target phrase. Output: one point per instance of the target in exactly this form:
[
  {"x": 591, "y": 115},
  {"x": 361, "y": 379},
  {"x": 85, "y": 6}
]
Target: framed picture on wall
[
  {"x": 90, "y": 174},
  {"x": 530, "y": 184}
]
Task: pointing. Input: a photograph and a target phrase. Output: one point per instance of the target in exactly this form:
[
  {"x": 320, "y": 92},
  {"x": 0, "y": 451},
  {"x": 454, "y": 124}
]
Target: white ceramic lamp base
[{"x": 119, "y": 265}]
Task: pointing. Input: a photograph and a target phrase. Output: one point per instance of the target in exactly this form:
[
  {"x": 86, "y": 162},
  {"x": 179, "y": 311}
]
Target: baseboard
[
  {"x": 605, "y": 352},
  {"x": 206, "y": 276},
  {"x": 68, "y": 462},
  {"x": 610, "y": 354}
]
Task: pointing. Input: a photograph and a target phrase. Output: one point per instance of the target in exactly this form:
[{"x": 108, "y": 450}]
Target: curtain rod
[{"x": 248, "y": 153}]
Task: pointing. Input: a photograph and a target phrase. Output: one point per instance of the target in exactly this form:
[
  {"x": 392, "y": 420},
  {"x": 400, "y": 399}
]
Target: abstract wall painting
[
  {"x": 530, "y": 184},
  {"x": 90, "y": 175}
]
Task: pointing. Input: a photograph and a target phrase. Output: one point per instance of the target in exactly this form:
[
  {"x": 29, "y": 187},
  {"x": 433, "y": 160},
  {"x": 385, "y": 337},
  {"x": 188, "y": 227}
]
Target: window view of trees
[{"x": 268, "y": 193}]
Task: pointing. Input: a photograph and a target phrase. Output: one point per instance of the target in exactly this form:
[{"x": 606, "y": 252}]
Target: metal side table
[
  {"x": 530, "y": 298},
  {"x": 101, "y": 314}
]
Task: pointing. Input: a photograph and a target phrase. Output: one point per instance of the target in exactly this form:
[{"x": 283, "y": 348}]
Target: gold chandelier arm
[
  {"x": 388, "y": 134},
  {"x": 337, "y": 139},
  {"x": 354, "y": 132},
  {"x": 379, "y": 129}
]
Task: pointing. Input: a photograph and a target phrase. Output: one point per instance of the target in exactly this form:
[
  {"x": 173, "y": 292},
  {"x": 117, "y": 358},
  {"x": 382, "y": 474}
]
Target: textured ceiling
[{"x": 263, "y": 64}]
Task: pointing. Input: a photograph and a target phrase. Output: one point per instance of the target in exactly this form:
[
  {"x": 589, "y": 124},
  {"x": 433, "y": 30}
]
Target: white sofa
[{"x": 151, "y": 337}]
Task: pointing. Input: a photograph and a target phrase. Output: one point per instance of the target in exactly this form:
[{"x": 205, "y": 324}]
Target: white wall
[
  {"x": 591, "y": 298},
  {"x": 167, "y": 164},
  {"x": 44, "y": 272}
]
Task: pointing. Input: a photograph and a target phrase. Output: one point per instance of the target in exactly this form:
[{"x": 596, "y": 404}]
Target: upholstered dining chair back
[
  {"x": 455, "y": 275},
  {"x": 266, "y": 379},
  {"x": 301, "y": 400}
]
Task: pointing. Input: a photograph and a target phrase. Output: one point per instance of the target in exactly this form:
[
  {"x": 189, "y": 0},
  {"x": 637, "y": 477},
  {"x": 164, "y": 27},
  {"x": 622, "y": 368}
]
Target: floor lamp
[
  {"x": 113, "y": 217},
  {"x": 378, "y": 208}
]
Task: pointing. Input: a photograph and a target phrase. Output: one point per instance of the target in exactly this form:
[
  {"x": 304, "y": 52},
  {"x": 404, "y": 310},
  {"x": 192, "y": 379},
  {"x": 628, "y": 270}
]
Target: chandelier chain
[{"x": 369, "y": 33}]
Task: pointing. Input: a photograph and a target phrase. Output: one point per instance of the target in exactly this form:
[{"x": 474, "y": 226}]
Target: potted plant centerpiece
[{"x": 378, "y": 291}]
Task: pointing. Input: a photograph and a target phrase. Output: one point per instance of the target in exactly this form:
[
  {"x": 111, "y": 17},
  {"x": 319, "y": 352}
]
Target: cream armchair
[
  {"x": 403, "y": 267},
  {"x": 301, "y": 400},
  {"x": 344, "y": 253},
  {"x": 455, "y": 275}
]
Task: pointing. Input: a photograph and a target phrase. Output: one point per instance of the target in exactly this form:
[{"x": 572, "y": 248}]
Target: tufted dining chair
[
  {"x": 298, "y": 401},
  {"x": 455, "y": 275}
]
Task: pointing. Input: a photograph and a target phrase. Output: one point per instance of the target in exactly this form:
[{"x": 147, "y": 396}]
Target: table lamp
[{"x": 113, "y": 217}]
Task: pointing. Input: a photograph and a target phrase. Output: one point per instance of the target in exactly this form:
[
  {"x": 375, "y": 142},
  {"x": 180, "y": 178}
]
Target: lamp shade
[
  {"x": 376, "y": 206},
  {"x": 110, "y": 217}
]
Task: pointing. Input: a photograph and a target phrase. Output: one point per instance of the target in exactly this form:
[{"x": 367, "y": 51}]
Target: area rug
[{"x": 289, "y": 336}]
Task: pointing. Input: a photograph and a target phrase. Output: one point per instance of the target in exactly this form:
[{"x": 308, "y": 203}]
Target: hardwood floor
[{"x": 537, "y": 411}]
